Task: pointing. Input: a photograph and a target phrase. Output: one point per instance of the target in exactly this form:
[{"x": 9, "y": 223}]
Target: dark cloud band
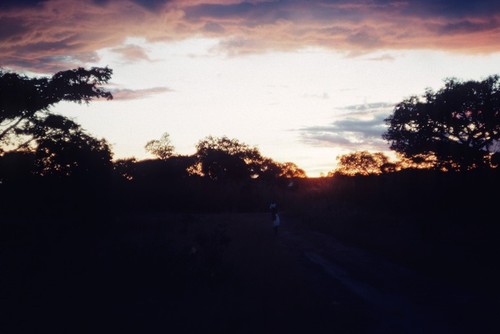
[{"x": 64, "y": 30}]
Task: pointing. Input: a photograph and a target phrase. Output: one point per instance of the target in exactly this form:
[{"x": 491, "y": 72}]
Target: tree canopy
[
  {"x": 65, "y": 149},
  {"x": 455, "y": 128},
  {"x": 222, "y": 158},
  {"x": 362, "y": 163},
  {"x": 25, "y": 101},
  {"x": 291, "y": 170},
  {"x": 225, "y": 158},
  {"x": 52, "y": 143},
  {"x": 161, "y": 148}
]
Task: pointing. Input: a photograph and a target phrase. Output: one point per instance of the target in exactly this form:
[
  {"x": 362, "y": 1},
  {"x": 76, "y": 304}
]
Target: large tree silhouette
[
  {"x": 362, "y": 163},
  {"x": 25, "y": 102},
  {"x": 455, "y": 128},
  {"x": 224, "y": 158},
  {"x": 42, "y": 143},
  {"x": 65, "y": 149}
]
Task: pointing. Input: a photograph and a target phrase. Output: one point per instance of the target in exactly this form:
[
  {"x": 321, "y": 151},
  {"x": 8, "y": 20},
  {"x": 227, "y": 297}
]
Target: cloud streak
[
  {"x": 134, "y": 94},
  {"x": 359, "y": 129},
  {"x": 51, "y": 35}
]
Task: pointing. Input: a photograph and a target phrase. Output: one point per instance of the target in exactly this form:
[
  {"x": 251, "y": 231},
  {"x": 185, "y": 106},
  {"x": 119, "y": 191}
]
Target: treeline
[
  {"x": 129, "y": 186},
  {"x": 168, "y": 185},
  {"x": 447, "y": 139},
  {"x": 76, "y": 175}
]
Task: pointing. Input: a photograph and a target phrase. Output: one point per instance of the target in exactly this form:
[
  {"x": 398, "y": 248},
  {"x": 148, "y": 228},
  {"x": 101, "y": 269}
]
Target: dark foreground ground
[{"x": 223, "y": 273}]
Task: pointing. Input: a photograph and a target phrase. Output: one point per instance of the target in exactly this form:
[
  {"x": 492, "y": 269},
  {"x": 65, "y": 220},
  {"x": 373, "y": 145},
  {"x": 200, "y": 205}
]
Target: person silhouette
[{"x": 275, "y": 218}]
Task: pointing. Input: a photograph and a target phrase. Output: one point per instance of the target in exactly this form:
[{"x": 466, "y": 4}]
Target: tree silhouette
[
  {"x": 268, "y": 170},
  {"x": 25, "y": 102},
  {"x": 63, "y": 148},
  {"x": 291, "y": 170},
  {"x": 161, "y": 148},
  {"x": 362, "y": 163},
  {"x": 455, "y": 128},
  {"x": 223, "y": 158}
]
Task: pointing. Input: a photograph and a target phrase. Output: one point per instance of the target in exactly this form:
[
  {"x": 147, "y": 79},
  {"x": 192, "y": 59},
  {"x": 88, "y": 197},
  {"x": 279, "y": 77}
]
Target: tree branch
[
  {"x": 4, "y": 132},
  {"x": 20, "y": 146}
]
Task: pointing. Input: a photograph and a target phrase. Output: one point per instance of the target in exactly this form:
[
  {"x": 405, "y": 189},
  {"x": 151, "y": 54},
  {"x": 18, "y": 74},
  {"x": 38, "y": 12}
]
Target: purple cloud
[{"x": 67, "y": 31}]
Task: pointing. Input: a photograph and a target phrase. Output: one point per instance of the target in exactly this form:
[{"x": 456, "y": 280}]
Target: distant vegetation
[{"x": 49, "y": 164}]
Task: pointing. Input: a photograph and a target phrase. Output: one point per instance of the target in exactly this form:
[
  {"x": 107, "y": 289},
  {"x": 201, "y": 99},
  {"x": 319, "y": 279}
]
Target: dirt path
[
  {"x": 280, "y": 291},
  {"x": 395, "y": 298},
  {"x": 312, "y": 279}
]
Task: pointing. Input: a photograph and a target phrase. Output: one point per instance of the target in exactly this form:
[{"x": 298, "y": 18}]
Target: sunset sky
[{"x": 304, "y": 81}]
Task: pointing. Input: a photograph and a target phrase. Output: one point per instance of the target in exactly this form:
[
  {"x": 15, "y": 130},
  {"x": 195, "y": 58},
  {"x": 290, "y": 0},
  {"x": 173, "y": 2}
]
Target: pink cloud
[
  {"x": 58, "y": 34},
  {"x": 132, "y": 52},
  {"x": 133, "y": 94}
]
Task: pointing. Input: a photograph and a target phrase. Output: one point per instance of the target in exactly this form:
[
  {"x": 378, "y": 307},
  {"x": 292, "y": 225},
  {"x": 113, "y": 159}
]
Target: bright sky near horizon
[{"x": 304, "y": 81}]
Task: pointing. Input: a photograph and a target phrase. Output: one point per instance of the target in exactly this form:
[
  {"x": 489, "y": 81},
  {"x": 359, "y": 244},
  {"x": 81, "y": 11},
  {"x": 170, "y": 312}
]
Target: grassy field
[
  {"x": 218, "y": 273},
  {"x": 345, "y": 246}
]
